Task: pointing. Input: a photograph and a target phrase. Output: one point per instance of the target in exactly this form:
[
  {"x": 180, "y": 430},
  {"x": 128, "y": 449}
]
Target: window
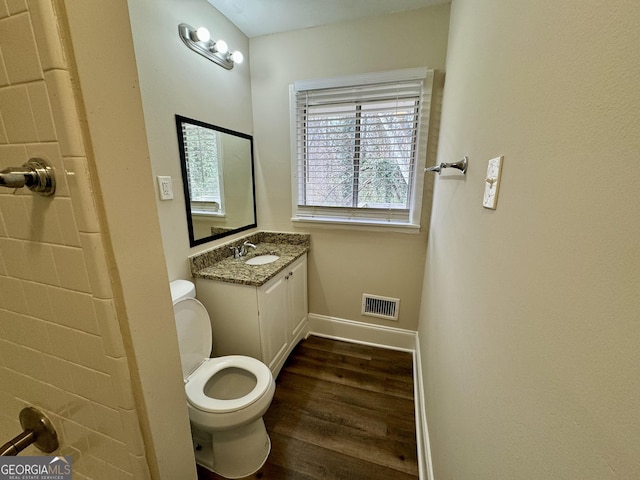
[
  {"x": 203, "y": 152},
  {"x": 359, "y": 144}
]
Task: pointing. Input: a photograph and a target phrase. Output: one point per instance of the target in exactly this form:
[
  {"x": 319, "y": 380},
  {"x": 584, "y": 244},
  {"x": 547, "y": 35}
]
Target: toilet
[{"x": 226, "y": 396}]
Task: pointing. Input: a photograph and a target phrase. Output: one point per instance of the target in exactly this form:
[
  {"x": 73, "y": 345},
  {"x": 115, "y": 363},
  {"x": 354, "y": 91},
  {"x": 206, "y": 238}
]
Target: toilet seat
[{"x": 198, "y": 379}]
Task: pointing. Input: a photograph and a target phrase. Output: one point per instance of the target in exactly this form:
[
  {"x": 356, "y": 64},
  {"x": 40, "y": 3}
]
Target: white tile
[
  {"x": 46, "y": 397},
  {"x": 58, "y": 371},
  {"x": 39, "y": 301},
  {"x": 12, "y": 381},
  {"x": 67, "y": 221},
  {"x": 109, "y": 450},
  {"x": 3, "y": 269},
  {"x": 23, "y": 360},
  {"x": 14, "y": 258},
  {"x": 16, "y": 6},
  {"x": 109, "y": 422},
  {"x": 93, "y": 385},
  {"x": 19, "y": 49},
  {"x": 41, "y": 263},
  {"x": 25, "y": 330},
  {"x": 12, "y": 296},
  {"x": 90, "y": 351},
  {"x": 12, "y": 156},
  {"x": 75, "y": 435},
  {"x": 15, "y": 108},
  {"x": 62, "y": 343},
  {"x": 4, "y": 77},
  {"x": 45, "y": 26},
  {"x": 43, "y": 221},
  {"x": 41, "y": 110},
  {"x": 64, "y": 113},
  {"x": 71, "y": 268},
  {"x": 8, "y": 402},
  {"x": 74, "y": 309},
  {"x": 83, "y": 196},
  {"x": 15, "y": 215},
  {"x": 79, "y": 410},
  {"x": 94, "y": 255}
]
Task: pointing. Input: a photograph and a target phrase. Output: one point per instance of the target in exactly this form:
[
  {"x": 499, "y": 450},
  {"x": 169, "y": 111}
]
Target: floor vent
[{"x": 381, "y": 307}]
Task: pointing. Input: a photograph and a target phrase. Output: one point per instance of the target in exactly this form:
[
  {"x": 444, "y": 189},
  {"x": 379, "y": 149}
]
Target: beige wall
[
  {"x": 530, "y": 313},
  {"x": 80, "y": 294},
  {"x": 343, "y": 264},
  {"x": 176, "y": 80}
]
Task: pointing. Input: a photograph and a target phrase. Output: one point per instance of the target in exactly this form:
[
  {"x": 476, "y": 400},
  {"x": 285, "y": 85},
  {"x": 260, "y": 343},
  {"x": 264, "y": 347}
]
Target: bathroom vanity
[{"x": 257, "y": 310}]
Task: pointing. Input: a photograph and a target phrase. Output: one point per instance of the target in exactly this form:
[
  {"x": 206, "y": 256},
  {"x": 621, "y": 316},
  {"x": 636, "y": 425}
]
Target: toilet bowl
[{"x": 226, "y": 396}]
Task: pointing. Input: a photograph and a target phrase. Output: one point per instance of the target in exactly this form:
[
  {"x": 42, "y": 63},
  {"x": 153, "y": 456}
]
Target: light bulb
[
  {"x": 237, "y": 57},
  {"x": 221, "y": 46},
  {"x": 203, "y": 35}
]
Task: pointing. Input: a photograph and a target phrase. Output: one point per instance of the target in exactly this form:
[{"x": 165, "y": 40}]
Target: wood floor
[{"x": 341, "y": 411}]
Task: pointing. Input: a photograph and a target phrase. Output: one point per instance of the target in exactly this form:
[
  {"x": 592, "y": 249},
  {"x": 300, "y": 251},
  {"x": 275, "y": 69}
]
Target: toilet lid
[
  {"x": 196, "y": 383},
  {"x": 194, "y": 333}
]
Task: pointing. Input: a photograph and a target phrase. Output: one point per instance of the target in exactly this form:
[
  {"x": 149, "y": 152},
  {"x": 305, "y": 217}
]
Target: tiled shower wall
[{"x": 61, "y": 348}]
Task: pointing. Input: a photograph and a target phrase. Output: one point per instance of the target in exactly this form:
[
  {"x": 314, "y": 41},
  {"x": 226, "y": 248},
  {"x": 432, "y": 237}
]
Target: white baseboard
[
  {"x": 425, "y": 466},
  {"x": 387, "y": 337},
  {"x": 359, "y": 332}
]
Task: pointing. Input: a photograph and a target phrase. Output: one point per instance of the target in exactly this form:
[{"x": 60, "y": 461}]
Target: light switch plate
[
  {"x": 165, "y": 188},
  {"x": 492, "y": 183}
]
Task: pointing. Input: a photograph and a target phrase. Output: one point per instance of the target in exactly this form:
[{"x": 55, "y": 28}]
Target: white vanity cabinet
[{"x": 263, "y": 322}]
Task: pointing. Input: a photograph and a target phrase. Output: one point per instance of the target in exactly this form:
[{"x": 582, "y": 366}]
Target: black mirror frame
[{"x": 185, "y": 180}]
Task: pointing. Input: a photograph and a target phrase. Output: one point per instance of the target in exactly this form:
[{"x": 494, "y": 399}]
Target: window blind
[
  {"x": 203, "y": 167},
  {"x": 357, "y": 146}
]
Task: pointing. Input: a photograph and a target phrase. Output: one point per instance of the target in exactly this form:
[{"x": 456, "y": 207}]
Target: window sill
[
  {"x": 370, "y": 225},
  {"x": 208, "y": 214}
]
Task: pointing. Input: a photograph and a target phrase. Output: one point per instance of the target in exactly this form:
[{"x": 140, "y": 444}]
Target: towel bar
[
  {"x": 38, "y": 430},
  {"x": 461, "y": 165},
  {"x": 36, "y": 175}
]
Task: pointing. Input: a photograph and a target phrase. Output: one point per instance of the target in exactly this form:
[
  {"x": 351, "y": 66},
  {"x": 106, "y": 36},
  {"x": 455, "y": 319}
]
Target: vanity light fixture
[{"x": 199, "y": 40}]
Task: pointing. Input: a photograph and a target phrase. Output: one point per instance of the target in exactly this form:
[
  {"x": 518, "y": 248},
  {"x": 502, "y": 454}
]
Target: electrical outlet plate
[
  {"x": 165, "y": 188},
  {"x": 492, "y": 183}
]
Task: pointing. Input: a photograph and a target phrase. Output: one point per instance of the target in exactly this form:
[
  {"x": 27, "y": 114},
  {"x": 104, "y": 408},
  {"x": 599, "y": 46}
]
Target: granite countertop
[{"x": 235, "y": 270}]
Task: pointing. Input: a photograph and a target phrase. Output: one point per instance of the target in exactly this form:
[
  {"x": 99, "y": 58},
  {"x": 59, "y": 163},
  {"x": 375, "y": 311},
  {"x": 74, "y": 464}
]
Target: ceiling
[{"x": 262, "y": 17}]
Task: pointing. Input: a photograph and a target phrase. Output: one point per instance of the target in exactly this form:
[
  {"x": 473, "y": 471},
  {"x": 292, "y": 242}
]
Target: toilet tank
[{"x": 181, "y": 289}]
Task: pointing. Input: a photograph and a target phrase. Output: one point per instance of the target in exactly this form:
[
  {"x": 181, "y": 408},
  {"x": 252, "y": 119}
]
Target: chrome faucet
[{"x": 241, "y": 250}]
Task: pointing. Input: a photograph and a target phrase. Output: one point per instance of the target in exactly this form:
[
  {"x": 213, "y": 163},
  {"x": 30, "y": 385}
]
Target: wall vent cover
[{"x": 381, "y": 307}]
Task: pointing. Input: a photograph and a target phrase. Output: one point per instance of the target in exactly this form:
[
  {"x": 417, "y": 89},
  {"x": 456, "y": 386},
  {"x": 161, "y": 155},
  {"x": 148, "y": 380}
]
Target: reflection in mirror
[{"x": 217, "y": 176}]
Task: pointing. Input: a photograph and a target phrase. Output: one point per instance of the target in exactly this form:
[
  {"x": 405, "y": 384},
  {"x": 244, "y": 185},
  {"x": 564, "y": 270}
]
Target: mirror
[{"x": 217, "y": 176}]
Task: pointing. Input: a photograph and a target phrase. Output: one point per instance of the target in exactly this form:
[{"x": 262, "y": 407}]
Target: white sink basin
[{"x": 262, "y": 259}]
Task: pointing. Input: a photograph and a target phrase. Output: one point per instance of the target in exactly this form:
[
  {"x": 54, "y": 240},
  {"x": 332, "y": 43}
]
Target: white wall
[
  {"x": 343, "y": 264},
  {"x": 110, "y": 111},
  {"x": 530, "y": 313},
  {"x": 176, "y": 80}
]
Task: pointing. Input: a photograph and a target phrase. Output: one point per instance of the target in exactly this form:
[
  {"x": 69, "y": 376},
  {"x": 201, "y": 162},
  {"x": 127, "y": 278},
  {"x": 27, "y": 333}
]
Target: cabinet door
[
  {"x": 273, "y": 310},
  {"x": 298, "y": 297}
]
